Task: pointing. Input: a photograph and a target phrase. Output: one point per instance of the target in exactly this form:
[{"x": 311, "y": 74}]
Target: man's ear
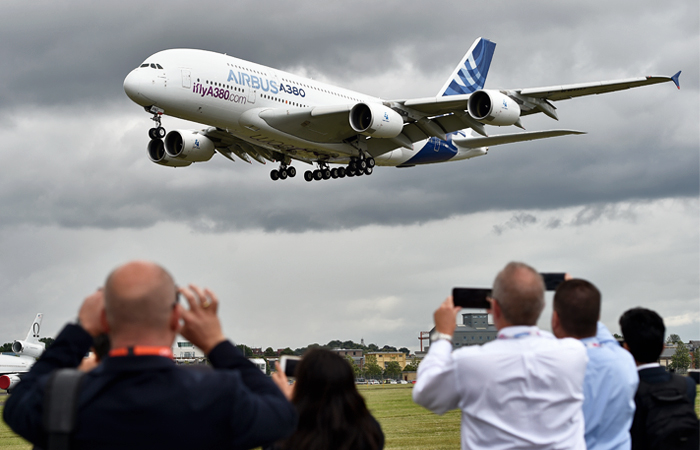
[{"x": 175, "y": 317}]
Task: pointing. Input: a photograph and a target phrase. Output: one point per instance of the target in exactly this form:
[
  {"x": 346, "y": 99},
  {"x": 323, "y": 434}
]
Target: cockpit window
[{"x": 152, "y": 66}]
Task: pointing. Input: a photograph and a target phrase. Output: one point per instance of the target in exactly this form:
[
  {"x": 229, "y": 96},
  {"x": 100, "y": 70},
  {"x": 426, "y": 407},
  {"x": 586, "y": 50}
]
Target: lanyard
[
  {"x": 142, "y": 350},
  {"x": 520, "y": 335}
]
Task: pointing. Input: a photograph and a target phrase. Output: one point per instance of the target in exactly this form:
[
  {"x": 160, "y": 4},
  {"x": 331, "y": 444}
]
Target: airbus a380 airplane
[
  {"x": 27, "y": 350},
  {"x": 262, "y": 113}
]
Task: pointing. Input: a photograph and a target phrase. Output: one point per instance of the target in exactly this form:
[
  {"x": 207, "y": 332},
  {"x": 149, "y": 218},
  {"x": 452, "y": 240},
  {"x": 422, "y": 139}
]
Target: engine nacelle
[
  {"x": 28, "y": 349},
  {"x": 189, "y": 145},
  {"x": 156, "y": 153},
  {"x": 7, "y": 382},
  {"x": 493, "y": 108},
  {"x": 375, "y": 120}
]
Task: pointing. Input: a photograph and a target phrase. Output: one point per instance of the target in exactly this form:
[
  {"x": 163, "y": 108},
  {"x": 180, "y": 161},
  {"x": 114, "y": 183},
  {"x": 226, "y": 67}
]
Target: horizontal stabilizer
[{"x": 476, "y": 142}]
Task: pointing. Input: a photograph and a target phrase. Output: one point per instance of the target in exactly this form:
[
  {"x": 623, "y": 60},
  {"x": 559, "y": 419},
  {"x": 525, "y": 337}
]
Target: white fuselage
[{"x": 229, "y": 93}]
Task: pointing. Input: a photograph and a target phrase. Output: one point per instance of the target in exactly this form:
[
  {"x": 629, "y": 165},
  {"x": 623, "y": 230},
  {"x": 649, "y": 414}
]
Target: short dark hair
[
  {"x": 643, "y": 330},
  {"x": 577, "y": 303}
]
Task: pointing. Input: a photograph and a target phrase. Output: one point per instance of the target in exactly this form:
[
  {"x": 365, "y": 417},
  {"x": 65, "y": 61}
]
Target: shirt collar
[{"x": 648, "y": 366}]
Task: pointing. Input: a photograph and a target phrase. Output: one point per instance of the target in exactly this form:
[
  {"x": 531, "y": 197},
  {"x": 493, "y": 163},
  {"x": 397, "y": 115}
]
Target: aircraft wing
[
  {"x": 477, "y": 142},
  {"x": 531, "y": 100},
  {"x": 565, "y": 92},
  {"x": 327, "y": 124},
  {"x": 229, "y": 145}
]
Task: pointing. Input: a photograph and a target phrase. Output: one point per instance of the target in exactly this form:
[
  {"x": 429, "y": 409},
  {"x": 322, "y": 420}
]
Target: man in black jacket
[
  {"x": 664, "y": 415},
  {"x": 138, "y": 397}
]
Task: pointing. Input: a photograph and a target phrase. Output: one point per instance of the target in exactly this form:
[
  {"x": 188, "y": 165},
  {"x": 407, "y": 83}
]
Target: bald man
[
  {"x": 523, "y": 390},
  {"x": 137, "y": 397}
]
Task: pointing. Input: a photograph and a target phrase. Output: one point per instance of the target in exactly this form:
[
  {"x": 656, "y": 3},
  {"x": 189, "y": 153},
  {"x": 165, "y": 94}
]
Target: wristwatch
[{"x": 437, "y": 336}]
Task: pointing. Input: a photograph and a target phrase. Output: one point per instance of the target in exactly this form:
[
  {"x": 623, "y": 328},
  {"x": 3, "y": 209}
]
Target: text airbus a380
[{"x": 256, "y": 112}]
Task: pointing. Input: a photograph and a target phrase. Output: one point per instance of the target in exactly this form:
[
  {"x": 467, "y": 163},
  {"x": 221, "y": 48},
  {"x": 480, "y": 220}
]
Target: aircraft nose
[{"x": 134, "y": 85}]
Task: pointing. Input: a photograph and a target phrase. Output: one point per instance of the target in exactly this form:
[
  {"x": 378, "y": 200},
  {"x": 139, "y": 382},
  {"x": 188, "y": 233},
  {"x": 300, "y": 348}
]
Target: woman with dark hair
[{"x": 332, "y": 414}]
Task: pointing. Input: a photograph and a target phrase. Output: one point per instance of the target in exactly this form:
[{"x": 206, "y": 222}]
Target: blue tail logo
[{"x": 470, "y": 74}]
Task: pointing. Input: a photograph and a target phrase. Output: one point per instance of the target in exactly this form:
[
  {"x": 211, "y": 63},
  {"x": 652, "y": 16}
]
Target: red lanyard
[{"x": 142, "y": 350}]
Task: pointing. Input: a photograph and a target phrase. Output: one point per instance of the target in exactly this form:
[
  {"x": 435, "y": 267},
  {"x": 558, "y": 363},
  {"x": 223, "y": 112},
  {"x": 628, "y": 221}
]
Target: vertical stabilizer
[
  {"x": 470, "y": 74},
  {"x": 33, "y": 334}
]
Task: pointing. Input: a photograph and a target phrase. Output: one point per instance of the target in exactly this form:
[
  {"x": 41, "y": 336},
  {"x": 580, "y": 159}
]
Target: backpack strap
[{"x": 60, "y": 406}]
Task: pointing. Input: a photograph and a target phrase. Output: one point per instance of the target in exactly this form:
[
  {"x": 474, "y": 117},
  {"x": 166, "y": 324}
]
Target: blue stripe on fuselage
[{"x": 434, "y": 151}]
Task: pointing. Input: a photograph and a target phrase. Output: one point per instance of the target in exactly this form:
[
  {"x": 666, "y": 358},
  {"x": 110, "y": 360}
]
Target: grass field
[{"x": 405, "y": 424}]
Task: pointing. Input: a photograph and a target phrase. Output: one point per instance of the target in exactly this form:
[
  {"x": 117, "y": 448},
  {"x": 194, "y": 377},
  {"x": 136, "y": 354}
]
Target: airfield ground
[{"x": 405, "y": 424}]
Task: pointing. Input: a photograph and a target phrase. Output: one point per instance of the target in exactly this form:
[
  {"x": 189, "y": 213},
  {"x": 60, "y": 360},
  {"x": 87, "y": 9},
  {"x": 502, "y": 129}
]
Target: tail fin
[
  {"x": 470, "y": 74},
  {"x": 33, "y": 334}
]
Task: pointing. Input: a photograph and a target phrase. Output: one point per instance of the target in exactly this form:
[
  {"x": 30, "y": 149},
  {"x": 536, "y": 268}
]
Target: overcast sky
[{"x": 296, "y": 263}]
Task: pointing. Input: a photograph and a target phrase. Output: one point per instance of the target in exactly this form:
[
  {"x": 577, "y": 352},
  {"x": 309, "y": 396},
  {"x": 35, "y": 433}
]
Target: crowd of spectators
[{"x": 574, "y": 388}]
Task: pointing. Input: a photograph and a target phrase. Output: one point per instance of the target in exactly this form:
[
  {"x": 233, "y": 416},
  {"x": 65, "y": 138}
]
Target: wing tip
[{"x": 675, "y": 79}]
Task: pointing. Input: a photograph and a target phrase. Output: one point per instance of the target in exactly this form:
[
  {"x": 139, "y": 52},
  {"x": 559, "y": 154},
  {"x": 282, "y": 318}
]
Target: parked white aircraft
[
  {"x": 27, "y": 350},
  {"x": 262, "y": 113}
]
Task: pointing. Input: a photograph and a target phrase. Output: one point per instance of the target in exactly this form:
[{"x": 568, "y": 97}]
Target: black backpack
[{"x": 671, "y": 422}]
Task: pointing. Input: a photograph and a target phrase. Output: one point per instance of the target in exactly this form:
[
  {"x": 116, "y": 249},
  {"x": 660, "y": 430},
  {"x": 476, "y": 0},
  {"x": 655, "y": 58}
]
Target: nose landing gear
[{"x": 157, "y": 132}]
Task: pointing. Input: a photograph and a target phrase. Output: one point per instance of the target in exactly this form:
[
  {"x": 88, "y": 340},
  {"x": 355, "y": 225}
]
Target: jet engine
[
  {"x": 493, "y": 108},
  {"x": 28, "y": 349},
  {"x": 189, "y": 145},
  {"x": 156, "y": 153},
  {"x": 375, "y": 120},
  {"x": 7, "y": 382}
]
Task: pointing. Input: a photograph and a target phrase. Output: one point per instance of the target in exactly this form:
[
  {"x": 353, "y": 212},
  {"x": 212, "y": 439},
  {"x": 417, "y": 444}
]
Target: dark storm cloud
[{"x": 74, "y": 168}]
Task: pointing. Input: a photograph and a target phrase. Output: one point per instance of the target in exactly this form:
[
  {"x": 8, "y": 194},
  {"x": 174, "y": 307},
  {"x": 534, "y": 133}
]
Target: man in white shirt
[{"x": 523, "y": 390}]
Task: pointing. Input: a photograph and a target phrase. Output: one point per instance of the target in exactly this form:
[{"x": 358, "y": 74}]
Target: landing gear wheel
[
  {"x": 292, "y": 172},
  {"x": 350, "y": 173},
  {"x": 274, "y": 174},
  {"x": 308, "y": 175},
  {"x": 283, "y": 174},
  {"x": 341, "y": 172},
  {"x": 362, "y": 164},
  {"x": 334, "y": 173},
  {"x": 153, "y": 133},
  {"x": 368, "y": 170},
  {"x": 370, "y": 162},
  {"x": 160, "y": 132},
  {"x": 326, "y": 174},
  {"x": 352, "y": 165},
  {"x": 318, "y": 175}
]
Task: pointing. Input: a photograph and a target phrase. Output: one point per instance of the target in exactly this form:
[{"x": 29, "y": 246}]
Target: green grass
[
  {"x": 8, "y": 439},
  {"x": 407, "y": 425}
]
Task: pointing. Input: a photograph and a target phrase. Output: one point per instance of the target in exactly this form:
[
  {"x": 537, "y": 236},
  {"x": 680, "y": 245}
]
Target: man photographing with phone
[
  {"x": 523, "y": 390},
  {"x": 138, "y": 398}
]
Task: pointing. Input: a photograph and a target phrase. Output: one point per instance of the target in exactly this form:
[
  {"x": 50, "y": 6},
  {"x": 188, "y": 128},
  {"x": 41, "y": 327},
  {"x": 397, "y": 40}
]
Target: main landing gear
[
  {"x": 283, "y": 173},
  {"x": 357, "y": 167}
]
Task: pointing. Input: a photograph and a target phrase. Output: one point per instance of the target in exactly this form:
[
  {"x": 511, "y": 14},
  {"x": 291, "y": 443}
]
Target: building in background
[
  {"x": 475, "y": 329},
  {"x": 385, "y": 357}
]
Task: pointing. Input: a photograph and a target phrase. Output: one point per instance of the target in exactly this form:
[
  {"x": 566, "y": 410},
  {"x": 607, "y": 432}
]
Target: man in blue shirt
[{"x": 611, "y": 377}]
